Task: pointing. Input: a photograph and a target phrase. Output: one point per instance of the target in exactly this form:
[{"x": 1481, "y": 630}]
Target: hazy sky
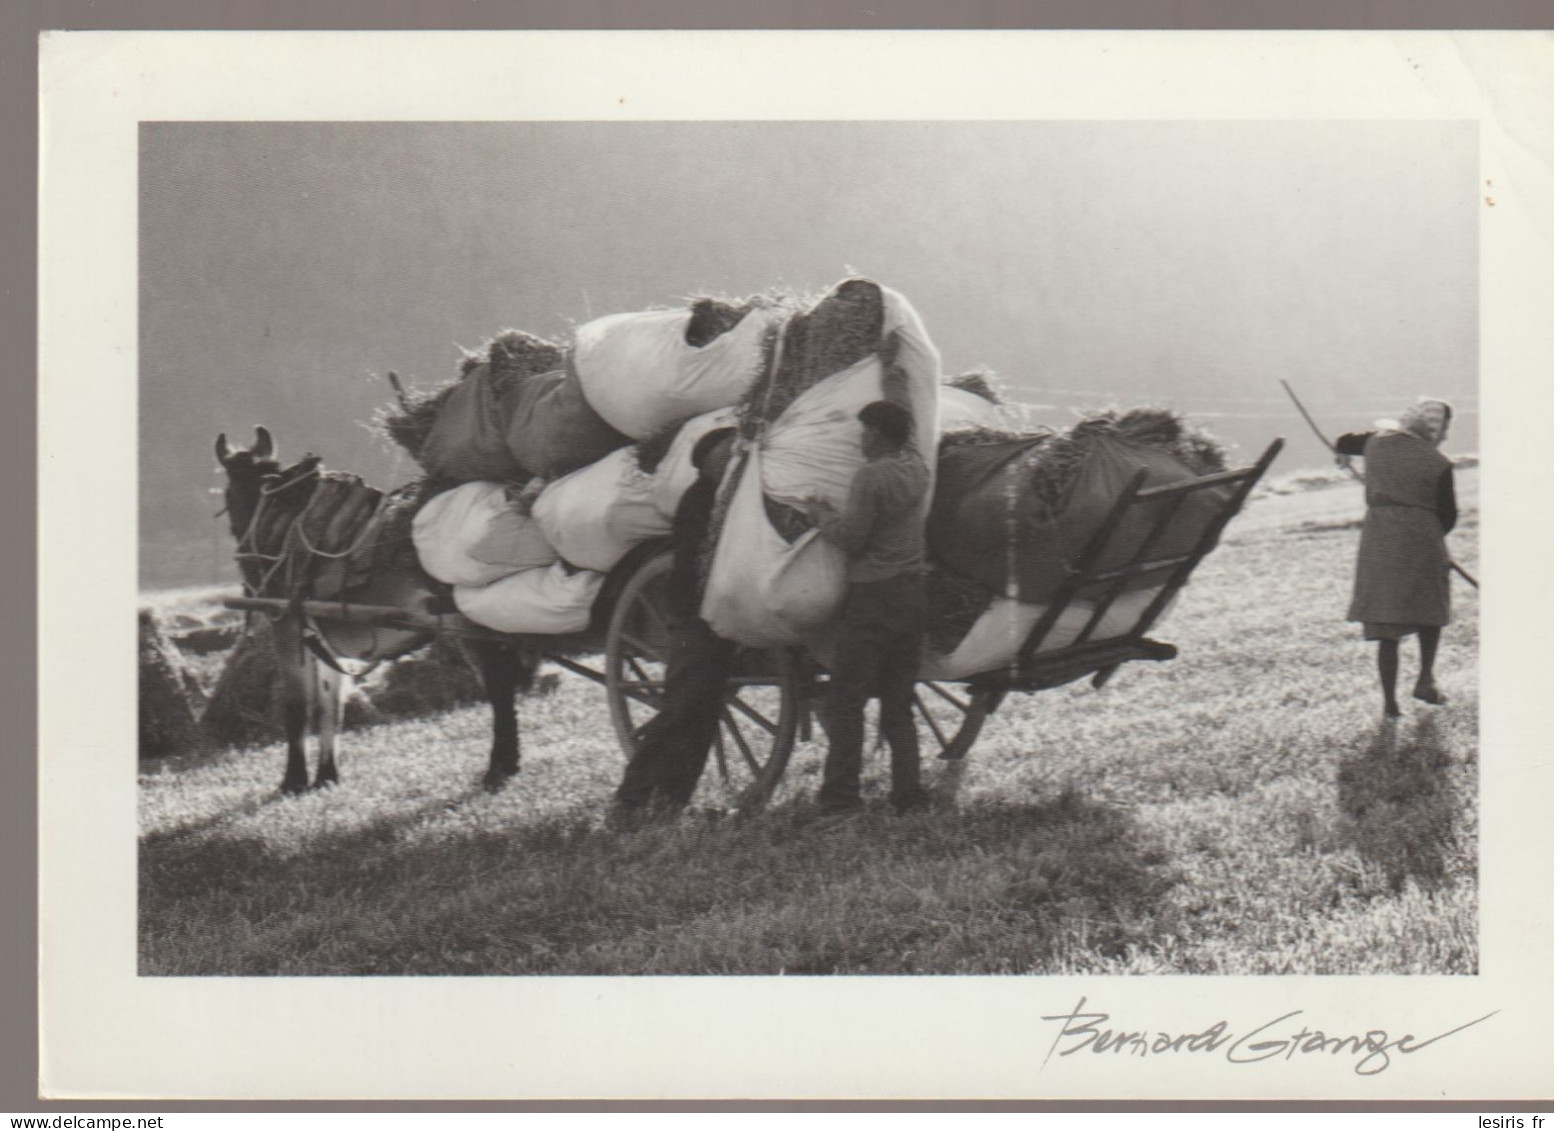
[{"x": 285, "y": 267}]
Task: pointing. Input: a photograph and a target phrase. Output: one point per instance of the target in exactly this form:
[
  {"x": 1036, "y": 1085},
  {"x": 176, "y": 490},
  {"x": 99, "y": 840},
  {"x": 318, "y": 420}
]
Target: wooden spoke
[
  {"x": 638, "y": 647},
  {"x": 647, "y": 695},
  {"x": 963, "y": 704},
  {"x": 752, "y": 714},
  {"x": 929, "y": 719},
  {"x": 739, "y": 740},
  {"x": 760, "y": 710},
  {"x": 640, "y": 671}
]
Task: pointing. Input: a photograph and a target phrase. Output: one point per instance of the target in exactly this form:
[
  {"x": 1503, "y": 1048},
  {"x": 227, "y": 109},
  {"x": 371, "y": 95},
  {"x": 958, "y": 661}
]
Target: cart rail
[{"x": 1036, "y": 670}]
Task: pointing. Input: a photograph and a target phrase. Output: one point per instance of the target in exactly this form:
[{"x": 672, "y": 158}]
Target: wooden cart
[{"x": 772, "y": 694}]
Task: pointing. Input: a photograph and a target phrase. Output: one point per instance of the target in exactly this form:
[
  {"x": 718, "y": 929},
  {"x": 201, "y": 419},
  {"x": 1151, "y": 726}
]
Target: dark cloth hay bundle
[
  {"x": 1013, "y": 513},
  {"x": 468, "y": 439},
  {"x": 508, "y": 359},
  {"x": 552, "y": 429}
]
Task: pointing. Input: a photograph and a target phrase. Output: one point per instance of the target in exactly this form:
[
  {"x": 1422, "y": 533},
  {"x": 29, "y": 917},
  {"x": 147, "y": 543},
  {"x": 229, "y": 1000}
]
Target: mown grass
[{"x": 1239, "y": 810}]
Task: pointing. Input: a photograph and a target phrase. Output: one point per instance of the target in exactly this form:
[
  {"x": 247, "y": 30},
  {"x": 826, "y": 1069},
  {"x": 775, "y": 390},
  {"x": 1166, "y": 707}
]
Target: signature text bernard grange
[{"x": 1283, "y": 1038}]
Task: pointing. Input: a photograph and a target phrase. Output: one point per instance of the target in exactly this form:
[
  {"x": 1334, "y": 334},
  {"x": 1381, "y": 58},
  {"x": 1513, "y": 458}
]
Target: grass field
[{"x": 1240, "y": 810}]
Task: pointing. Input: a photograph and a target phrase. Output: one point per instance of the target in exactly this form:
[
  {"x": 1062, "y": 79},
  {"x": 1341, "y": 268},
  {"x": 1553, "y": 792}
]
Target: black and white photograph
[{"x": 1036, "y": 555}]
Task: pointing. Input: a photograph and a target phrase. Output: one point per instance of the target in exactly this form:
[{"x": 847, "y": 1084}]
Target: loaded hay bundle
[
  {"x": 815, "y": 337},
  {"x": 819, "y": 335},
  {"x": 770, "y": 580},
  {"x": 510, "y": 358},
  {"x": 1011, "y": 510}
]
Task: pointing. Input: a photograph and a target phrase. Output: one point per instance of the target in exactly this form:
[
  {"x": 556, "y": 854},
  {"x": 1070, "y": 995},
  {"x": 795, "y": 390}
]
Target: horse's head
[
  {"x": 246, "y": 472},
  {"x": 253, "y": 473}
]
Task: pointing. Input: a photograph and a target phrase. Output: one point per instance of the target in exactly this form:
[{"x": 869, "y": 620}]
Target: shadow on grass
[
  {"x": 1397, "y": 806},
  {"x": 988, "y": 889}
]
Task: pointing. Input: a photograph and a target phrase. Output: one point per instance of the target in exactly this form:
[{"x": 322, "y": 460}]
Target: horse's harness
[{"x": 294, "y": 558}]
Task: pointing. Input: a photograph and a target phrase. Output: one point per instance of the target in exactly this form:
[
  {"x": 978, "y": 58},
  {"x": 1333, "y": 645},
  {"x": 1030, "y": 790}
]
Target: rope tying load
[{"x": 316, "y": 543}]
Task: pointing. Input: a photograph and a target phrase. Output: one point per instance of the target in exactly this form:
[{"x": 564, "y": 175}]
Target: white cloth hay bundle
[
  {"x": 675, "y": 474},
  {"x": 763, "y": 590},
  {"x": 553, "y": 600},
  {"x": 474, "y": 535},
  {"x": 640, "y": 373},
  {"x": 1000, "y": 632},
  {"x": 597, "y": 514}
]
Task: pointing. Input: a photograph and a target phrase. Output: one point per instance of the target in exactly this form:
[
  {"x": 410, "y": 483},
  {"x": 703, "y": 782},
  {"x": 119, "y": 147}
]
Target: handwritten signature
[{"x": 1282, "y": 1038}]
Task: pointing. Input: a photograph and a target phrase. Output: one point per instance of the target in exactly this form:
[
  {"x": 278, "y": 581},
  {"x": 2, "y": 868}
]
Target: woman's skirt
[{"x": 1402, "y": 577}]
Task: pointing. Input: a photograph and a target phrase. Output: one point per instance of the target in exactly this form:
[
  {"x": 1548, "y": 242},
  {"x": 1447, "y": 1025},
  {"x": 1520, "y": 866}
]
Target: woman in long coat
[{"x": 1402, "y": 578}]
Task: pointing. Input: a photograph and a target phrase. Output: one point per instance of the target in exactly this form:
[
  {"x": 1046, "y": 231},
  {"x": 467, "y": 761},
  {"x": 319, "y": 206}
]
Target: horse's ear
[
  {"x": 223, "y": 452},
  {"x": 264, "y": 447}
]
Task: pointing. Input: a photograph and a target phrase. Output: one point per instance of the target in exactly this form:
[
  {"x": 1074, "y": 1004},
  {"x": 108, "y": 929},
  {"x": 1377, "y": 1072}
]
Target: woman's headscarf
[{"x": 1427, "y": 419}]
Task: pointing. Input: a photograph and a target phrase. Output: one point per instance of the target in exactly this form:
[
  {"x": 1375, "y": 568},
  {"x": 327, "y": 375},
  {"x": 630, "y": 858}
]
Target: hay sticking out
[
  {"x": 713, "y": 316},
  {"x": 819, "y": 336},
  {"x": 395, "y": 550},
  {"x": 983, "y": 382},
  {"x": 978, "y": 437},
  {"x": 514, "y": 357},
  {"x": 788, "y": 521},
  {"x": 409, "y": 422},
  {"x": 650, "y": 453}
]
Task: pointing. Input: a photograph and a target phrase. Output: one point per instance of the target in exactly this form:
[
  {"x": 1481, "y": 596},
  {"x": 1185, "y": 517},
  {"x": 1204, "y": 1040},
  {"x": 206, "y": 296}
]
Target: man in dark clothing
[
  {"x": 672, "y": 748},
  {"x": 880, "y": 633}
]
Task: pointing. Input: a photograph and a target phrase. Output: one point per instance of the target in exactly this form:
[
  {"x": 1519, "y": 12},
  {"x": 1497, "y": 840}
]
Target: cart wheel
[
  {"x": 950, "y": 716},
  {"x": 761, "y": 707}
]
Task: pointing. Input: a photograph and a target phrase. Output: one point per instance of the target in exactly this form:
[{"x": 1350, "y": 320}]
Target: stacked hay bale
[{"x": 170, "y": 698}]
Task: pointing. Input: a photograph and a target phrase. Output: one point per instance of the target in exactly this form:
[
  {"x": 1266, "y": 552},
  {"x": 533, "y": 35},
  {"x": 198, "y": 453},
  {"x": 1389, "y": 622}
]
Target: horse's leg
[
  {"x": 502, "y": 670},
  {"x": 327, "y": 685},
  {"x": 295, "y": 664}
]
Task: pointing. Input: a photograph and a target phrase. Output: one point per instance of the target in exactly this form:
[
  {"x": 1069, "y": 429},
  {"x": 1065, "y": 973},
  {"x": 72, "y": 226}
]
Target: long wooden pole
[{"x": 1326, "y": 443}]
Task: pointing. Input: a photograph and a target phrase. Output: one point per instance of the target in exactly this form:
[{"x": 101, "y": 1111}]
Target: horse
[{"x": 271, "y": 512}]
